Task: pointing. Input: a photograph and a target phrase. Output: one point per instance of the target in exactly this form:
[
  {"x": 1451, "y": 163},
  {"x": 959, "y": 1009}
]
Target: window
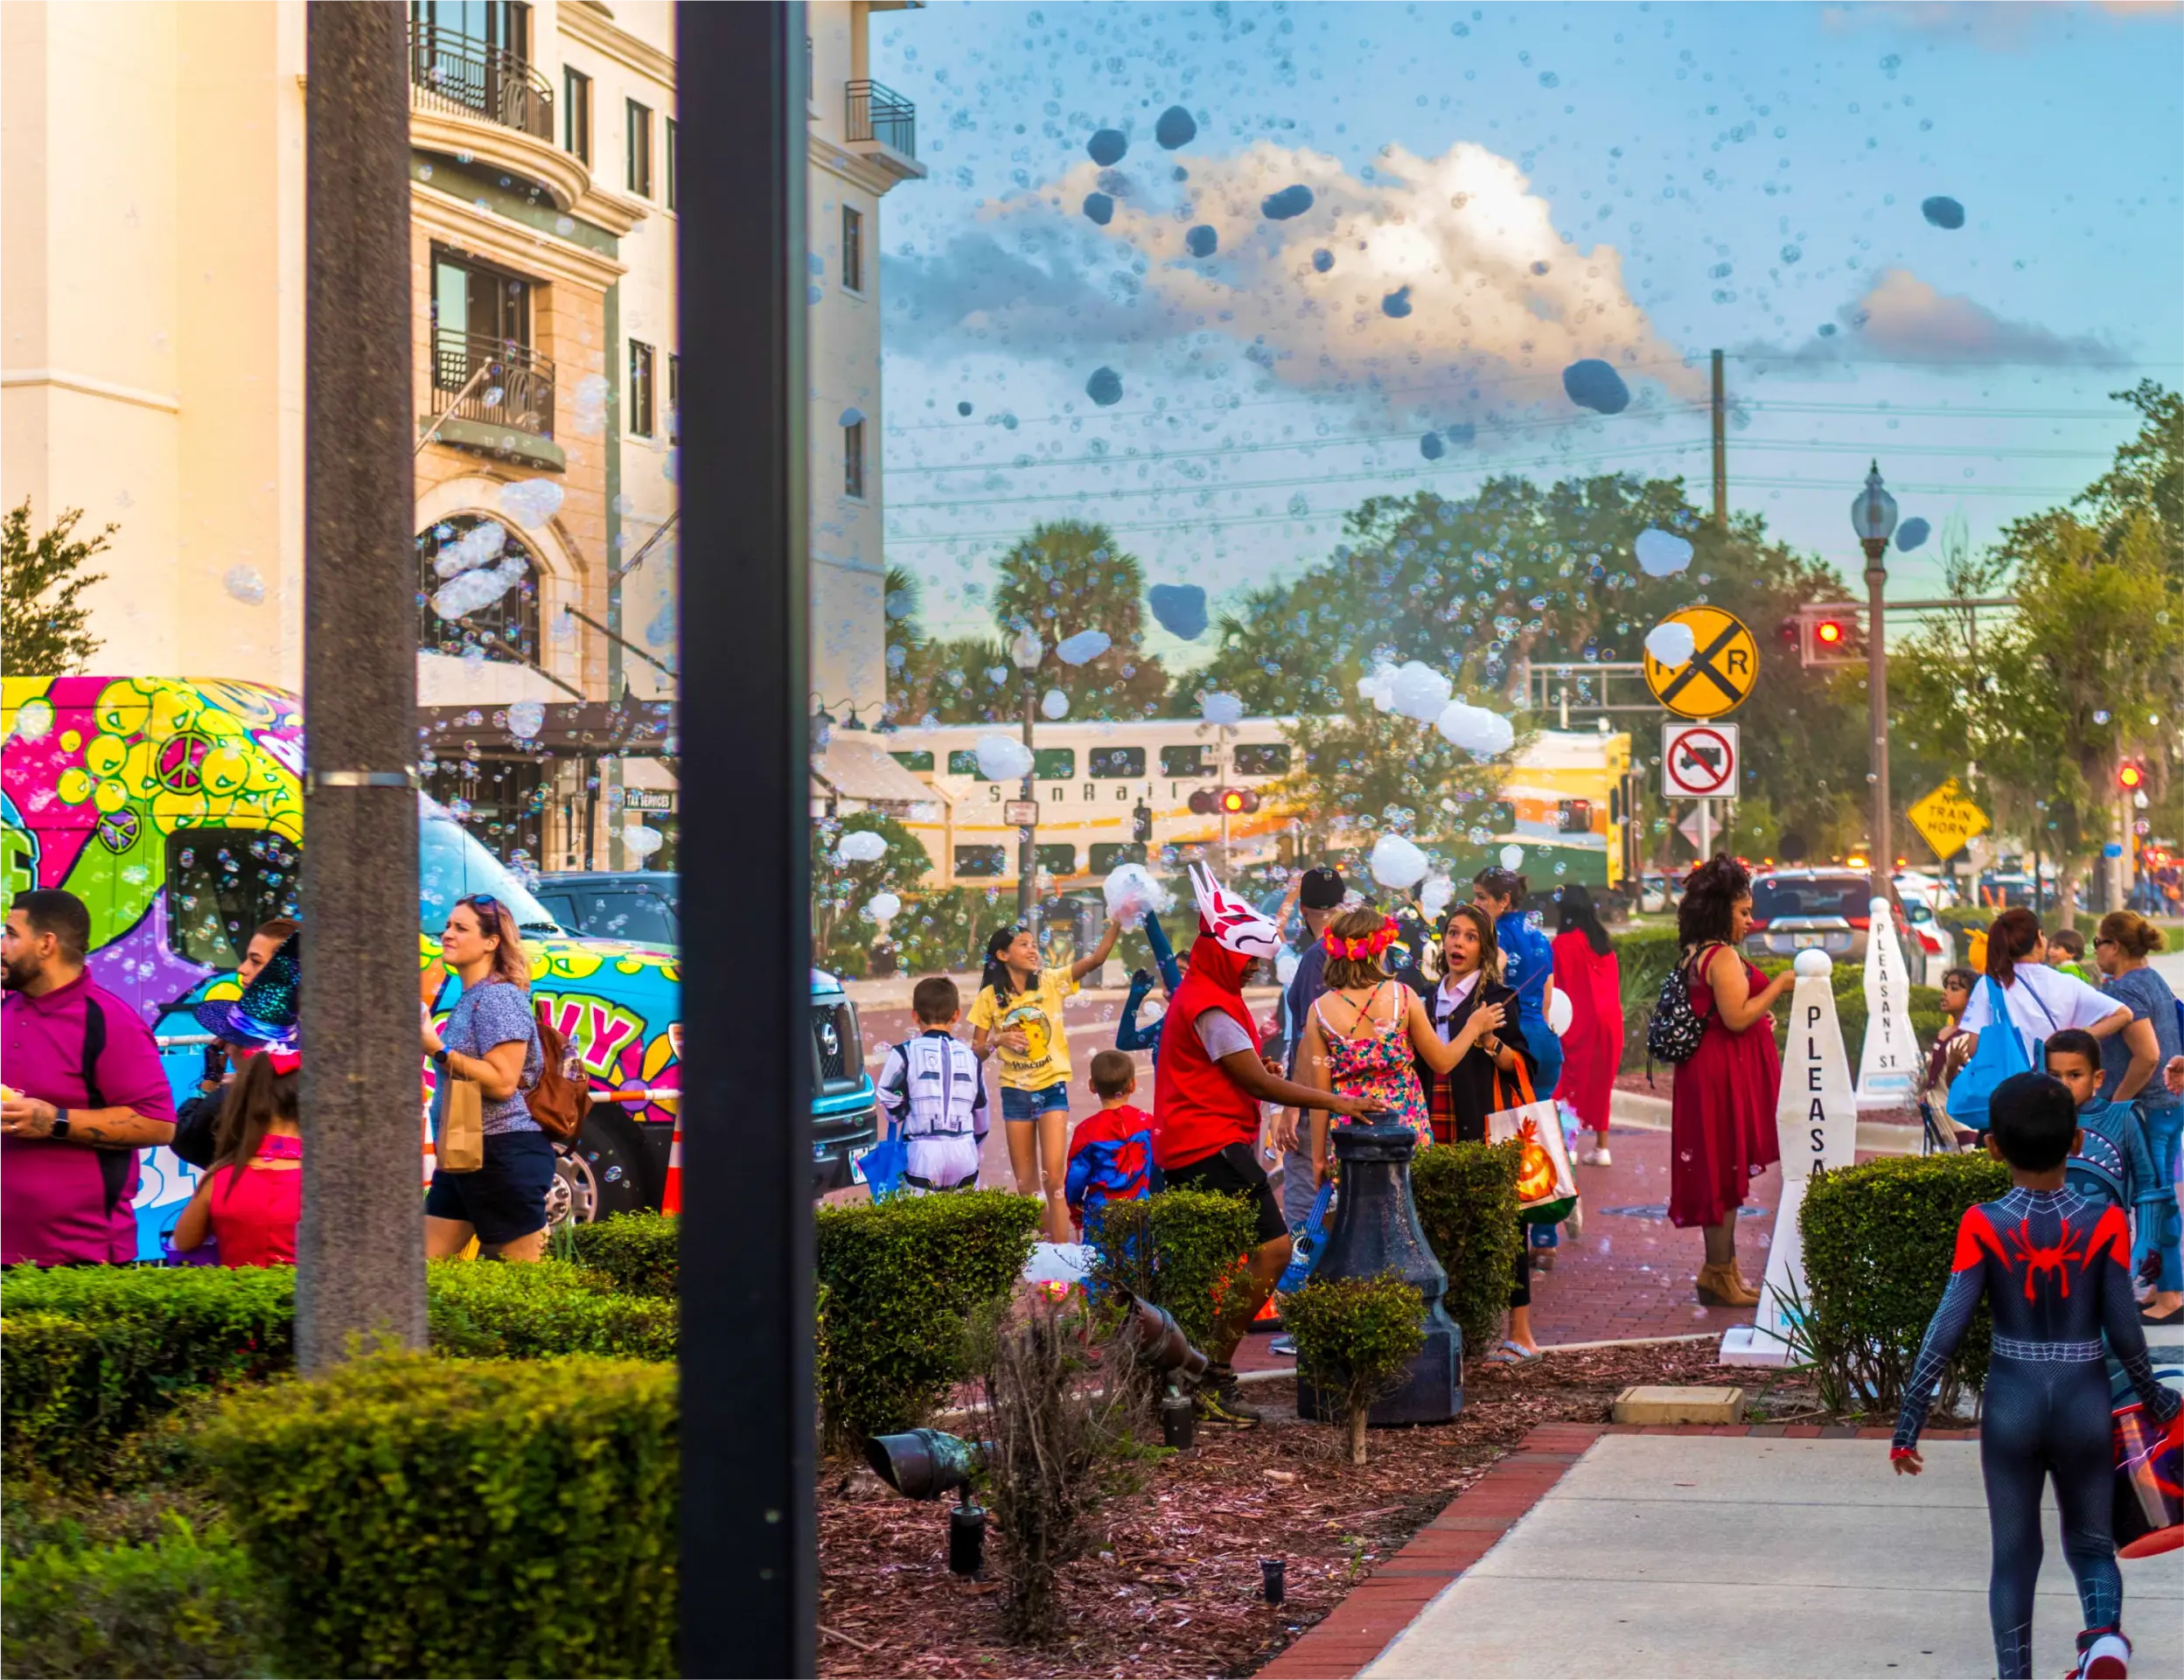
[
  {"x": 483, "y": 366},
  {"x": 915, "y": 760},
  {"x": 853, "y": 459},
  {"x": 1107, "y": 856},
  {"x": 675, "y": 399},
  {"x": 1058, "y": 860},
  {"x": 1116, "y": 760},
  {"x": 221, "y": 883},
  {"x": 963, "y": 761},
  {"x": 671, "y": 163},
  {"x": 1053, "y": 763},
  {"x": 640, "y": 389},
  {"x": 853, "y": 248},
  {"x": 504, "y": 628},
  {"x": 640, "y": 150},
  {"x": 1266, "y": 758},
  {"x": 1185, "y": 761},
  {"x": 983, "y": 862},
  {"x": 576, "y": 115},
  {"x": 637, "y": 916}
]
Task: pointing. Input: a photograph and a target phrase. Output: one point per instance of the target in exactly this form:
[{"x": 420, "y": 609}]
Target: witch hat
[{"x": 268, "y": 1011}]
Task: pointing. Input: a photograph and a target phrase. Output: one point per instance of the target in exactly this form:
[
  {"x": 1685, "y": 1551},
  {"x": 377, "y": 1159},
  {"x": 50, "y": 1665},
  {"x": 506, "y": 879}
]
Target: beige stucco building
[{"x": 151, "y": 305}]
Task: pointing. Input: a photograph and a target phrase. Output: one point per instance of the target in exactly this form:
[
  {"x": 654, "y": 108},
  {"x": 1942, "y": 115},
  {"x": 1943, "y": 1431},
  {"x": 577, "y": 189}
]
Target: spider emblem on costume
[{"x": 2036, "y": 1259}]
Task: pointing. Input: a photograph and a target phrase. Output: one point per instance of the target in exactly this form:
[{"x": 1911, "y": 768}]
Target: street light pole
[
  {"x": 1027, "y": 651},
  {"x": 1873, "y": 517}
]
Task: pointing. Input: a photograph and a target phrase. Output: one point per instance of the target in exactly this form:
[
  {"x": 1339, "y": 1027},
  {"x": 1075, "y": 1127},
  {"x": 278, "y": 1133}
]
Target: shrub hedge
[
  {"x": 408, "y": 1515},
  {"x": 903, "y": 1278},
  {"x": 1183, "y": 1249},
  {"x": 1466, "y": 1195},
  {"x": 537, "y": 1310},
  {"x": 639, "y": 1251},
  {"x": 1356, "y": 1338},
  {"x": 1879, "y": 1238}
]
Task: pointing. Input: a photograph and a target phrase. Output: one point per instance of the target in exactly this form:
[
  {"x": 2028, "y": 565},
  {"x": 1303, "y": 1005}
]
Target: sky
[{"x": 1497, "y": 193}]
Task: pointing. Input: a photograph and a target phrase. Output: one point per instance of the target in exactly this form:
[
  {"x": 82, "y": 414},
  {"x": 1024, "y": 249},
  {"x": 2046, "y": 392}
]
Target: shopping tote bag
[
  {"x": 1546, "y": 1189},
  {"x": 2000, "y": 1053},
  {"x": 461, "y": 1145}
]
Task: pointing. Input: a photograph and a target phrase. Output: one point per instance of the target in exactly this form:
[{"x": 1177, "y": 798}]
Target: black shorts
[
  {"x": 1234, "y": 1171},
  {"x": 503, "y": 1199}
]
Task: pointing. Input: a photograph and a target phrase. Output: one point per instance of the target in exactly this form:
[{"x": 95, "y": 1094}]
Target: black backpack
[{"x": 1673, "y": 1034}]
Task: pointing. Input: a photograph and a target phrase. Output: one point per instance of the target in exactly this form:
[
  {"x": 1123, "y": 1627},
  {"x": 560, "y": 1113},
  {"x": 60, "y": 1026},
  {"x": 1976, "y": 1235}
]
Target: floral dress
[{"x": 1377, "y": 1064}]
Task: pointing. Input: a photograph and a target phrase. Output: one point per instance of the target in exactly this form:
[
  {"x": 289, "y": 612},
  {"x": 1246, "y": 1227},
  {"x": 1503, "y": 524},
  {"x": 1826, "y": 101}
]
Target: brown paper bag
[{"x": 461, "y": 1145}]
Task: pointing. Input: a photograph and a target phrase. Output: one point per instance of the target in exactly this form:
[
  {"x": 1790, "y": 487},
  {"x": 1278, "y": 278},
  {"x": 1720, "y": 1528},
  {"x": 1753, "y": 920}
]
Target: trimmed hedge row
[
  {"x": 640, "y": 1251},
  {"x": 1183, "y": 1249},
  {"x": 1466, "y": 1195}
]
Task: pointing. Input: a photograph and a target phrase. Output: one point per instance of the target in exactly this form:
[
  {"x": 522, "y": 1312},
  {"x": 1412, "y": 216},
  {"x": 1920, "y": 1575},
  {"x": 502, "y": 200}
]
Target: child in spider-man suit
[{"x": 2054, "y": 1268}]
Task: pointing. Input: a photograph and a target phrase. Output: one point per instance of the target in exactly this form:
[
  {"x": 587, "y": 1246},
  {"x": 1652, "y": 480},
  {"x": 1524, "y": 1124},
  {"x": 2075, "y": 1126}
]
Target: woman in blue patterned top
[{"x": 491, "y": 1038}]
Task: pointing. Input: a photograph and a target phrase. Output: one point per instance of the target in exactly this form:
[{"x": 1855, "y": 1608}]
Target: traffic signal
[
  {"x": 1142, "y": 824},
  {"x": 1574, "y": 816},
  {"x": 1830, "y": 633},
  {"x": 2130, "y": 776},
  {"x": 1202, "y": 802},
  {"x": 1235, "y": 801}
]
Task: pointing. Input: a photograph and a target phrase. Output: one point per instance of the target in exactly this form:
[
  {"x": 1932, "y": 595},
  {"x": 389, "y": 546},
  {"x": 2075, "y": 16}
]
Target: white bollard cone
[{"x": 1888, "y": 1064}]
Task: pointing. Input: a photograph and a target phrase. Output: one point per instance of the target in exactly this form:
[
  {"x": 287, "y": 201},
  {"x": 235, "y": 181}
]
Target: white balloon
[
  {"x": 1054, "y": 705},
  {"x": 1087, "y": 645},
  {"x": 1561, "y": 1012},
  {"x": 1419, "y": 691},
  {"x": 882, "y": 908},
  {"x": 1671, "y": 644},
  {"x": 1395, "y": 862},
  {"x": 861, "y": 845},
  {"x": 1512, "y": 856},
  {"x": 1221, "y": 708},
  {"x": 1002, "y": 757},
  {"x": 1131, "y": 890}
]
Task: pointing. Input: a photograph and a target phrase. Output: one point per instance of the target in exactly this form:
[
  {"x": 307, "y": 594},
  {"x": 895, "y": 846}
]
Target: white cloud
[{"x": 1901, "y": 317}]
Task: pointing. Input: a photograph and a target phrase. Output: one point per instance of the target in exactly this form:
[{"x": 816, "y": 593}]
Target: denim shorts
[
  {"x": 1030, "y": 1104},
  {"x": 503, "y": 1199}
]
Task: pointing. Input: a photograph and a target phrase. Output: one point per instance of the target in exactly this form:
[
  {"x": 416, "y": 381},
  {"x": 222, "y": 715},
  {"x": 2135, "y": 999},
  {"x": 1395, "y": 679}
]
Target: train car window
[
  {"x": 1185, "y": 761},
  {"x": 1263, "y": 758},
  {"x": 1111, "y": 762},
  {"x": 1107, "y": 856},
  {"x": 981, "y": 860}
]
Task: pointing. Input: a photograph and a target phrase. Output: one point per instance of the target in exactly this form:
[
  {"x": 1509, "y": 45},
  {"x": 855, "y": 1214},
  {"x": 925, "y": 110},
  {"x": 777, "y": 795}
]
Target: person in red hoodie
[{"x": 1208, "y": 1082}]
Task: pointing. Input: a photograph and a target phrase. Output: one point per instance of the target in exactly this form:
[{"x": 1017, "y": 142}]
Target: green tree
[
  {"x": 44, "y": 626},
  {"x": 1361, "y": 771},
  {"x": 840, "y": 889},
  {"x": 1068, "y": 577},
  {"x": 2148, "y": 474}
]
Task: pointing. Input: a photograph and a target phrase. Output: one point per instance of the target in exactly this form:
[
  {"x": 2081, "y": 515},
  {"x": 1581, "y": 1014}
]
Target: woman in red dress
[
  {"x": 1586, "y": 971},
  {"x": 1722, "y": 1117}
]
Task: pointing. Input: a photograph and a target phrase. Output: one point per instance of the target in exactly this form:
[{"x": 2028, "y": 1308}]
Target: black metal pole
[
  {"x": 750, "y": 1525},
  {"x": 360, "y": 1247}
]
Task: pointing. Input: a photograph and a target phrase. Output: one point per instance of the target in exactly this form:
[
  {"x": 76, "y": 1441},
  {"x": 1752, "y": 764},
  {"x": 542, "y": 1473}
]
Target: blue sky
[{"x": 1498, "y": 191}]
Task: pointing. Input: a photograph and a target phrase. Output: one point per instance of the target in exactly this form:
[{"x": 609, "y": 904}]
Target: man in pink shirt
[{"x": 85, "y": 1093}]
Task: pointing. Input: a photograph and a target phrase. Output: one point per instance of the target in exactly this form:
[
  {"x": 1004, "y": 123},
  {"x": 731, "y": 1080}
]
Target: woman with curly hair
[{"x": 1722, "y": 1114}]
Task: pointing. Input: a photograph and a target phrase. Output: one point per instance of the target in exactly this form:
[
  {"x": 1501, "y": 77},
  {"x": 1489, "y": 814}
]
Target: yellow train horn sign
[{"x": 1724, "y": 664}]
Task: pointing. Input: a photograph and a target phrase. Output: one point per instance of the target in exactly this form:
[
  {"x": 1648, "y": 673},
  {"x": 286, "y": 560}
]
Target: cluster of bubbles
[{"x": 1415, "y": 690}]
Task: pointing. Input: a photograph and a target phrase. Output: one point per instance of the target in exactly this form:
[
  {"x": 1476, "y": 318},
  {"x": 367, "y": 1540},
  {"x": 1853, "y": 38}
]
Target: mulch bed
[{"x": 1175, "y": 1590}]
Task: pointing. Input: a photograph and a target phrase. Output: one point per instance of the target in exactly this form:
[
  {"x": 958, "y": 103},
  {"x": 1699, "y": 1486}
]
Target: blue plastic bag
[
  {"x": 1306, "y": 1242},
  {"x": 2001, "y": 1052},
  {"x": 884, "y": 1165}
]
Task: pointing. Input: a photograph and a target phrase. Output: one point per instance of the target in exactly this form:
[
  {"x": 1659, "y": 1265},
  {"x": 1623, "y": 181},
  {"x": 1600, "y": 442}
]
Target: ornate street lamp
[{"x": 1873, "y": 518}]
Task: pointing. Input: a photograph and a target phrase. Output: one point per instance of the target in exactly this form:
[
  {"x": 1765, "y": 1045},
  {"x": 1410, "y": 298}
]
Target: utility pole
[
  {"x": 359, "y": 1251},
  {"x": 1721, "y": 451},
  {"x": 1027, "y": 833}
]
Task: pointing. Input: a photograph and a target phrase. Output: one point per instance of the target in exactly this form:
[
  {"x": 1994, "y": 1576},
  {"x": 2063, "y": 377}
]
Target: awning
[{"x": 855, "y": 766}]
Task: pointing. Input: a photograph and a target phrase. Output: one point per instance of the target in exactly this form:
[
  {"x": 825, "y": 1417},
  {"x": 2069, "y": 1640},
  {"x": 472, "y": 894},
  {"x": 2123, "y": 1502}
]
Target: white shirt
[
  {"x": 1218, "y": 1032},
  {"x": 1449, "y": 998},
  {"x": 2042, "y": 1003}
]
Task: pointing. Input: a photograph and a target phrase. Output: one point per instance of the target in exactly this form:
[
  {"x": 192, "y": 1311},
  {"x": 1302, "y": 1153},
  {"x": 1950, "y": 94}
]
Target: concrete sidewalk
[{"x": 1733, "y": 1555}]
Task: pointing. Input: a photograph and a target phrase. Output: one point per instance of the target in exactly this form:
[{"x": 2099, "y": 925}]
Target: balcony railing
[
  {"x": 490, "y": 381},
  {"x": 464, "y": 76},
  {"x": 881, "y": 114}
]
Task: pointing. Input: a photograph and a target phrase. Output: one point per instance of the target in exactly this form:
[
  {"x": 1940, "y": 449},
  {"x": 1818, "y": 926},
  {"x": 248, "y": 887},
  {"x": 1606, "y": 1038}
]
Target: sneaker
[
  {"x": 1597, "y": 1156},
  {"x": 2104, "y": 1653},
  {"x": 1283, "y": 1347},
  {"x": 1218, "y": 1404}
]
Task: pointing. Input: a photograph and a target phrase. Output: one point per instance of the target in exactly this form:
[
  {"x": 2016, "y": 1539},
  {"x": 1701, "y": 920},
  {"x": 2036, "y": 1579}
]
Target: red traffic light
[
  {"x": 1202, "y": 802},
  {"x": 1233, "y": 801},
  {"x": 2131, "y": 777},
  {"x": 1830, "y": 632}
]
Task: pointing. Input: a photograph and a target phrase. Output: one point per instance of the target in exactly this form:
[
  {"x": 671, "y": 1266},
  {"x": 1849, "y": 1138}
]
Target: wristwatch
[{"x": 60, "y": 1124}]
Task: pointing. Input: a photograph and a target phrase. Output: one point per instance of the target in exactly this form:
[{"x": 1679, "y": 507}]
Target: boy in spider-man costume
[{"x": 2055, "y": 1271}]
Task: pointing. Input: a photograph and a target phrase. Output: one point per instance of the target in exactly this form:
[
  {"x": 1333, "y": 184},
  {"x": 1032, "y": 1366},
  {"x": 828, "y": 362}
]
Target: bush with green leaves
[
  {"x": 904, "y": 1279},
  {"x": 640, "y": 1252},
  {"x": 1466, "y": 1196},
  {"x": 477, "y": 1311},
  {"x": 408, "y": 1514},
  {"x": 1880, "y": 1238},
  {"x": 1356, "y": 1338},
  {"x": 1183, "y": 1249}
]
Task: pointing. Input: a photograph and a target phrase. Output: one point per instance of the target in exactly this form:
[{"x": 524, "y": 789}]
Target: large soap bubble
[
  {"x": 1108, "y": 147},
  {"x": 1911, "y": 534},
  {"x": 1512, "y": 856},
  {"x": 884, "y": 908},
  {"x": 642, "y": 840},
  {"x": 526, "y": 718},
  {"x": 1054, "y": 705},
  {"x": 1397, "y": 303},
  {"x": 1099, "y": 209},
  {"x": 1202, "y": 240},
  {"x": 481, "y": 543},
  {"x": 533, "y": 501},
  {"x": 1221, "y": 708},
  {"x": 1419, "y": 691},
  {"x": 1322, "y": 260},
  {"x": 1377, "y": 685},
  {"x": 244, "y": 583},
  {"x": 1179, "y": 609},
  {"x": 1104, "y": 386},
  {"x": 1671, "y": 643},
  {"x": 1085, "y": 645},
  {"x": 1662, "y": 553},
  {"x": 861, "y": 845},
  {"x": 1433, "y": 897},
  {"x": 1176, "y": 128},
  {"x": 1397, "y": 863},
  {"x": 1290, "y": 201},
  {"x": 1593, "y": 384},
  {"x": 1131, "y": 890},
  {"x": 1431, "y": 447},
  {"x": 1943, "y": 212},
  {"x": 1475, "y": 729},
  {"x": 1003, "y": 758}
]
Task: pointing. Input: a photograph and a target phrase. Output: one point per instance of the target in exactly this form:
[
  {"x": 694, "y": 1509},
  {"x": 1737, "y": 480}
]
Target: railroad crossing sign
[
  {"x": 1698, "y": 761},
  {"x": 1946, "y": 818},
  {"x": 1719, "y": 674}
]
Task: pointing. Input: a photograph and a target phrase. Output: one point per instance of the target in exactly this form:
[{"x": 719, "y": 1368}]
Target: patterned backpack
[{"x": 1673, "y": 1034}]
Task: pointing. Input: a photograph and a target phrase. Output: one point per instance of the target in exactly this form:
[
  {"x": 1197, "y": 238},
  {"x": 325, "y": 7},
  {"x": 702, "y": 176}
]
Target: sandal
[
  {"x": 1511, "y": 1353},
  {"x": 2174, "y": 1315}
]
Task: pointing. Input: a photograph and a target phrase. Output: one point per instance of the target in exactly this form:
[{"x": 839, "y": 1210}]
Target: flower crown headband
[{"x": 1371, "y": 945}]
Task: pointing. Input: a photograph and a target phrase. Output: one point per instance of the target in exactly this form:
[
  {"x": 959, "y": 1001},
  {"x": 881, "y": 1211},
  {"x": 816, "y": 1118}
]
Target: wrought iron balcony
[
  {"x": 491, "y": 381},
  {"x": 461, "y": 75},
  {"x": 881, "y": 114}
]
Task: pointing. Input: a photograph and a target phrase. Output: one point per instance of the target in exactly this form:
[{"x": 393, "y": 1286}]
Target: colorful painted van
[{"x": 174, "y": 810}]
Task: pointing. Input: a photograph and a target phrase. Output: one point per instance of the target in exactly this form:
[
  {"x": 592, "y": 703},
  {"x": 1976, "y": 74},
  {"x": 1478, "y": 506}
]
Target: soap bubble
[
  {"x": 589, "y": 411},
  {"x": 1202, "y": 240},
  {"x": 1285, "y": 964},
  {"x": 1662, "y": 553},
  {"x": 1475, "y": 729},
  {"x": 1176, "y": 128},
  {"x": 1460, "y": 434},
  {"x": 1290, "y": 201},
  {"x": 1003, "y": 758},
  {"x": 1419, "y": 691},
  {"x": 1026, "y": 648},
  {"x": 1397, "y": 303},
  {"x": 477, "y": 546},
  {"x": 1433, "y": 897},
  {"x": 468, "y": 591},
  {"x": 1431, "y": 447},
  {"x": 1107, "y": 146},
  {"x": 1512, "y": 856},
  {"x": 884, "y": 908},
  {"x": 642, "y": 840},
  {"x": 1131, "y": 890},
  {"x": 1377, "y": 685},
  {"x": 526, "y": 718},
  {"x": 244, "y": 583},
  {"x": 861, "y": 845},
  {"x": 1054, "y": 705},
  {"x": 1912, "y": 532},
  {"x": 1104, "y": 386},
  {"x": 1943, "y": 212},
  {"x": 1179, "y": 609},
  {"x": 1085, "y": 645},
  {"x": 2100, "y": 717},
  {"x": 1593, "y": 384},
  {"x": 1221, "y": 709},
  {"x": 534, "y": 501},
  {"x": 1671, "y": 643},
  {"x": 1322, "y": 260},
  {"x": 963, "y": 408},
  {"x": 1397, "y": 863},
  {"x": 1099, "y": 209}
]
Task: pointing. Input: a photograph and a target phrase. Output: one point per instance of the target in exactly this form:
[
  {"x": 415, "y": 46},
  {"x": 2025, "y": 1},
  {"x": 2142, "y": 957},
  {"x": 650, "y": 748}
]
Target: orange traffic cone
[{"x": 671, "y": 1198}]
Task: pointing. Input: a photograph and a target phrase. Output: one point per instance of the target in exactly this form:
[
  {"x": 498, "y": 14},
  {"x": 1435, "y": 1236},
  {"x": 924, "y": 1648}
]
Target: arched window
[{"x": 477, "y": 585}]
